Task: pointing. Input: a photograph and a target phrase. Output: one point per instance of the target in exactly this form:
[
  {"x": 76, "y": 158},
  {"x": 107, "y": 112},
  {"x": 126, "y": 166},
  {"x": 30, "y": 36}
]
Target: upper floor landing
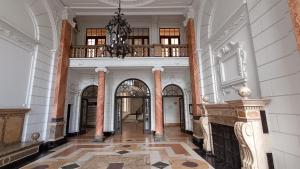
[{"x": 152, "y": 37}]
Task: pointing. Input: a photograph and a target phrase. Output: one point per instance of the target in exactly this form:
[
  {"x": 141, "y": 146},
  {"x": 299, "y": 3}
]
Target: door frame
[
  {"x": 182, "y": 113},
  {"x": 146, "y": 97}
]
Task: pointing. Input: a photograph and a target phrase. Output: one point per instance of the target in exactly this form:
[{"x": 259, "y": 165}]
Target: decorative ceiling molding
[
  {"x": 17, "y": 37},
  {"x": 129, "y": 3},
  {"x": 131, "y": 7}
]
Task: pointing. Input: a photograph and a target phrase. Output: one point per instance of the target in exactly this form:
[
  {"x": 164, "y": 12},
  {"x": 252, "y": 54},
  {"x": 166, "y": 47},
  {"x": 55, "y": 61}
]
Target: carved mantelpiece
[
  {"x": 11, "y": 125},
  {"x": 11, "y": 128},
  {"x": 244, "y": 116}
]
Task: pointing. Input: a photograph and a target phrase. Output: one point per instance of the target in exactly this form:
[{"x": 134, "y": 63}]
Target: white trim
[
  {"x": 157, "y": 68},
  {"x": 129, "y": 62},
  {"x": 101, "y": 69}
]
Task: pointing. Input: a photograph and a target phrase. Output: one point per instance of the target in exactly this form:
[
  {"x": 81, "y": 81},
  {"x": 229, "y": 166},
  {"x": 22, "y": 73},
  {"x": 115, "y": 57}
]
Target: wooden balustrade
[{"x": 99, "y": 51}]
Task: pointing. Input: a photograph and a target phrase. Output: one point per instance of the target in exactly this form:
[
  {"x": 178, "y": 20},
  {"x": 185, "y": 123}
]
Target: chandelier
[{"x": 118, "y": 30}]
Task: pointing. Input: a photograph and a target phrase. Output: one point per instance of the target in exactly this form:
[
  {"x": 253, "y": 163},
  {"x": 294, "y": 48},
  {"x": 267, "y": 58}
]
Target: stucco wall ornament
[
  {"x": 232, "y": 65},
  {"x": 19, "y": 38},
  {"x": 295, "y": 12}
]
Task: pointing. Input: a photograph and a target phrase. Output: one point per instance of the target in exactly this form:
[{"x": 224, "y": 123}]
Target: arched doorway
[
  {"x": 132, "y": 106},
  {"x": 173, "y": 106},
  {"x": 88, "y": 108}
]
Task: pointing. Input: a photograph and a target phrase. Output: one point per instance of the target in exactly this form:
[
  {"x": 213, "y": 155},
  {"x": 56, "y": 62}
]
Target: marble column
[
  {"x": 295, "y": 13},
  {"x": 195, "y": 83},
  {"x": 159, "y": 126},
  {"x": 57, "y": 116},
  {"x": 100, "y": 104},
  {"x": 194, "y": 68}
]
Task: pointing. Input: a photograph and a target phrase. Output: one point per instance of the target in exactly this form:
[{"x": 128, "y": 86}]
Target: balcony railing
[{"x": 100, "y": 51}]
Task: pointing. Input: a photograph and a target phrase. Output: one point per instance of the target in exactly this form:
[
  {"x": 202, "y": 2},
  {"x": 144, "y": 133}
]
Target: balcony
[
  {"x": 143, "y": 56},
  {"x": 99, "y": 51}
]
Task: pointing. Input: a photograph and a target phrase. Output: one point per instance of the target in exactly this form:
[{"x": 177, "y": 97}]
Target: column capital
[
  {"x": 159, "y": 68},
  {"x": 101, "y": 69}
]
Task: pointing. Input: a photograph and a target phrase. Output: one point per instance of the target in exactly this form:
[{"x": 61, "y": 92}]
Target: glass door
[
  {"x": 147, "y": 116},
  {"x": 83, "y": 119},
  {"x": 182, "y": 118},
  {"x": 118, "y": 115}
]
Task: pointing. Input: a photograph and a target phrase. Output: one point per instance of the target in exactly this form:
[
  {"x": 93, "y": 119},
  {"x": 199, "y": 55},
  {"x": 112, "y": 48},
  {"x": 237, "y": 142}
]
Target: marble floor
[{"x": 131, "y": 150}]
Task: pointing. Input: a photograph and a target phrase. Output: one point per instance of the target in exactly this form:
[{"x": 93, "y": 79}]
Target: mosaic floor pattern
[{"x": 89, "y": 155}]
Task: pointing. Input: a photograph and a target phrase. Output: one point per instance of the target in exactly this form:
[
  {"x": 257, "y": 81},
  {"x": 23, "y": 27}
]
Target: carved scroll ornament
[
  {"x": 206, "y": 135},
  {"x": 244, "y": 134},
  {"x": 295, "y": 12}
]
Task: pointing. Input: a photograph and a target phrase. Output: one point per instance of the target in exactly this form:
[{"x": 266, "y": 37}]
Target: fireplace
[{"x": 226, "y": 146}]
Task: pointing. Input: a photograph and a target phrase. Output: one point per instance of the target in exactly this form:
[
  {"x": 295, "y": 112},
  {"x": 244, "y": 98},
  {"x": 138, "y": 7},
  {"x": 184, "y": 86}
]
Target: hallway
[{"x": 131, "y": 150}]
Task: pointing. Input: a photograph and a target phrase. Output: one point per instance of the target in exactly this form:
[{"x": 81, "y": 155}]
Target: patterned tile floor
[{"x": 131, "y": 150}]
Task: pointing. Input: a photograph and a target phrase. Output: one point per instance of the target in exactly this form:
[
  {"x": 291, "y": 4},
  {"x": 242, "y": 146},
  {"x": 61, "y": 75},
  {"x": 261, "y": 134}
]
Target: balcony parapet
[
  {"x": 156, "y": 50},
  {"x": 134, "y": 62}
]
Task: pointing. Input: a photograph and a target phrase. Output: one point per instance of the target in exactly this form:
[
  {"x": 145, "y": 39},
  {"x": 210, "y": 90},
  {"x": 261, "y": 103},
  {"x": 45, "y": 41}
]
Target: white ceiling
[{"x": 130, "y": 7}]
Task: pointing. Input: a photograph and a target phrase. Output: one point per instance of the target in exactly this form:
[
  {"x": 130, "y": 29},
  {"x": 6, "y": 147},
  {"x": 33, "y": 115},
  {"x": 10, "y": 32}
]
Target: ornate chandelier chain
[{"x": 118, "y": 30}]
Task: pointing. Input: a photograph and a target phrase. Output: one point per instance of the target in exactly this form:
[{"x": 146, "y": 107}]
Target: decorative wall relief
[
  {"x": 19, "y": 38},
  {"x": 295, "y": 12},
  {"x": 232, "y": 65}
]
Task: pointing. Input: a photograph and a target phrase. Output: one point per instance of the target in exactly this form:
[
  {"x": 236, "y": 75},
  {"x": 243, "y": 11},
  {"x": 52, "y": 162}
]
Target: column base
[
  {"x": 99, "y": 139},
  {"x": 56, "y": 130},
  {"x": 159, "y": 138},
  {"x": 197, "y": 141}
]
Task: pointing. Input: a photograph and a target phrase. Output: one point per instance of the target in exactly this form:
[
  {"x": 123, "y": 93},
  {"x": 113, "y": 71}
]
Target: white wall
[
  {"x": 16, "y": 13},
  {"x": 278, "y": 65},
  {"x": 215, "y": 37},
  {"x": 271, "y": 42},
  {"x": 29, "y": 33},
  {"x": 16, "y": 57},
  {"x": 171, "y": 110},
  {"x": 15, "y": 67},
  {"x": 81, "y": 78},
  {"x": 151, "y": 22}
]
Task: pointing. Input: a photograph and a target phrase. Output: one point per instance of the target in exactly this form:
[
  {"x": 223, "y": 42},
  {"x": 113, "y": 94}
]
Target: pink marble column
[
  {"x": 100, "y": 104},
  {"x": 159, "y": 129},
  {"x": 295, "y": 13},
  {"x": 194, "y": 69},
  {"x": 57, "y": 117}
]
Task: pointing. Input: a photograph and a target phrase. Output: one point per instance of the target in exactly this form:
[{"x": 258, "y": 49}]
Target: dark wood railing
[{"x": 99, "y": 51}]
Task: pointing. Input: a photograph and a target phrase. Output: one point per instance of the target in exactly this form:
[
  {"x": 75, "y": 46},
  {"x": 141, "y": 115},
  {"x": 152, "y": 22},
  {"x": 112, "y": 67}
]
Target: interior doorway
[
  {"x": 132, "y": 106},
  {"x": 173, "y": 106},
  {"x": 88, "y": 108}
]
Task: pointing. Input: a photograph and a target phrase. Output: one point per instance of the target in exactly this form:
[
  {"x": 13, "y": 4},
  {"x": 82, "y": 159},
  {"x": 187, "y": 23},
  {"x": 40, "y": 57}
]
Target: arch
[
  {"x": 127, "y": 91},
  {"x": 140, "y": 89},
  {"x": 174, "y": 92},
  {"x": 90, "y": 91},
  {"x": 45, "y": 25},
  {"x": 88, "y": 103}
]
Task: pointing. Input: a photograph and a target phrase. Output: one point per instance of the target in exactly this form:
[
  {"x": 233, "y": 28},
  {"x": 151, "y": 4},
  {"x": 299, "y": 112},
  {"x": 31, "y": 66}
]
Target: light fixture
[{"x": 118, "y": 30}]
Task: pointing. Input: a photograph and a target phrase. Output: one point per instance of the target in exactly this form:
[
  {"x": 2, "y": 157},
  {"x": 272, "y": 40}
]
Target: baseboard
[
  {"x": 187, "y": 132},
  {"x": 53, "y": 144},
  {"x": 73, "y": 134},
  {"x": 108, "y": 133},
  {"x": 198, "y": 142},
  {"x": 172, "y": 124}
]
